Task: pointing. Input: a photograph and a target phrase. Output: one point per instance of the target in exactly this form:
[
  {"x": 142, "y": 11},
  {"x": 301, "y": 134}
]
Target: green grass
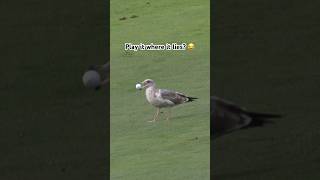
[{"x": 178, "y": 149}]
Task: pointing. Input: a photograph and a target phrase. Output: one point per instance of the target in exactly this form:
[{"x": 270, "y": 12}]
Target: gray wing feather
[{"x": 175, "y": 97}]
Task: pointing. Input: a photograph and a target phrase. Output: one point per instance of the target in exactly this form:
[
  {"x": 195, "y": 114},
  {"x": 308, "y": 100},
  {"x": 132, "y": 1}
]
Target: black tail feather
[
  {"x": 190, "y": 99},
  {"x": 260, "y": 119},
  {"x": 263, "y": 115}
]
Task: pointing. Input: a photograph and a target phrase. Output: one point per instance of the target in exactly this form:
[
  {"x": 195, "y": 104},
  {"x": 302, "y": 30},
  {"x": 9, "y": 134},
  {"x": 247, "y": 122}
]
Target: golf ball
[{"x": 138, "y": 86}]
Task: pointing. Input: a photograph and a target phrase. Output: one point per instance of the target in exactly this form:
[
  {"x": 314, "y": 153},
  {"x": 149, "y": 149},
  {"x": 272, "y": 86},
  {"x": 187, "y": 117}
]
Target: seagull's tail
[
  {"x": 190, "y": 99},
  {"x": 260, "y": 119},
  {"x": 263, "y": 115}
]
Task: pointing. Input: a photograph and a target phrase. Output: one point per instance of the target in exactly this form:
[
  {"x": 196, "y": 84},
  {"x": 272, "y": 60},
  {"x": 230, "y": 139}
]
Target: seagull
[
  {"x": 163, "y": 98},
  {"x": 227, "y": 117}
]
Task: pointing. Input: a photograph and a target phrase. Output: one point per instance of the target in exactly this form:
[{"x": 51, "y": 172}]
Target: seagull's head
[{"x": 148, "y": 83}]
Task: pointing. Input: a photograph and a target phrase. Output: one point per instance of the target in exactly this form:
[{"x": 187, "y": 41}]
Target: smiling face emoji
[{"x": 190, "y": 46}]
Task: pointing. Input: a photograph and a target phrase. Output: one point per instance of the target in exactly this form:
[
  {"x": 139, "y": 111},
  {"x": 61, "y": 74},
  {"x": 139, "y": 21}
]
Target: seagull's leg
[
  {"x": 104, "y": 82},
  {"x": 168, "y": 114},
  {"x": 155, "y": 115}
]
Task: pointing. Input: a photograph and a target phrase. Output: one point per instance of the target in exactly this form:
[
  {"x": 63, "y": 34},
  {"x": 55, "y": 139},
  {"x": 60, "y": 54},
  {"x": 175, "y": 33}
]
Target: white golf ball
[
  {"x": 91, "y": 79},
  {"x": 138, "y": 86}
]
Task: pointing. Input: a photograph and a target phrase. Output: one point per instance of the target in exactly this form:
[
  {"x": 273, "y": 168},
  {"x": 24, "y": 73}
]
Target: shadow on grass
[{"x": 183, "y": 116}]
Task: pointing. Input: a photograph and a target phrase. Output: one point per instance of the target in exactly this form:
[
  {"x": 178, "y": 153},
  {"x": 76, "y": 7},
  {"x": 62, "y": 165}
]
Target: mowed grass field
[
  {"x": 173, "y": 150},
  {"x": 267, "y": 59}
]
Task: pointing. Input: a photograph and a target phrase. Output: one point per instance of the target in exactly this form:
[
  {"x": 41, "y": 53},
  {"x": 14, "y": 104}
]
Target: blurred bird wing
[{"x": 227, "y": 117}]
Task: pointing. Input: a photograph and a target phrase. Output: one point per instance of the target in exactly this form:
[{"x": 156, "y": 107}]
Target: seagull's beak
[{"x": 143, "y": 85}]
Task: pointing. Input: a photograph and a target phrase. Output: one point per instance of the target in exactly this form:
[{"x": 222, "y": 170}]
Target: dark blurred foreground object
[{"x": 227, "y": 117}]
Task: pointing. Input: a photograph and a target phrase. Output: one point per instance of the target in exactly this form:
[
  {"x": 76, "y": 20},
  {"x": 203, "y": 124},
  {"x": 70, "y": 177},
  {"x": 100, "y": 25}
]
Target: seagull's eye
[{"x": 148, "y": 81}]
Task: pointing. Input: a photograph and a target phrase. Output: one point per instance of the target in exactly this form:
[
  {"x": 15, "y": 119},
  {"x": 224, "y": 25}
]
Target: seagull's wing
[
  {"x": 227, "y": 117},
  {"x": 172, "y": 96}
]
